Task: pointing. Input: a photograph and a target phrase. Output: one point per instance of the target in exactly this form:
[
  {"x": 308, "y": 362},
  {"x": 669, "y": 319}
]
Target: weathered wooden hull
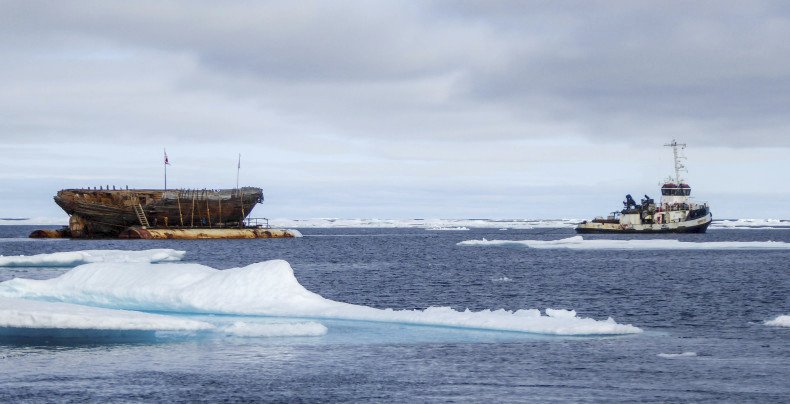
[
  {"x": 204, "y": 233},
  {"x": 106, "y": 213}
]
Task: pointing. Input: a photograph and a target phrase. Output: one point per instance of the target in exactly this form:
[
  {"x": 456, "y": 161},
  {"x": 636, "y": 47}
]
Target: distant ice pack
[
  {"x": 428, "y": 224},
  {"x": 269, "y": 289},
  {"x": 776, "y": 224},
  {"x": 579, "y": 243},
  {"x": 74, "y": 258}
]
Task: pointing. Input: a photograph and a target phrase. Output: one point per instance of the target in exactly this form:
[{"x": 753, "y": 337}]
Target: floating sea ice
[
  {"x": 579, "y": 243},
  {"x": 751, "y": 224},
  {"x": 306, "y": 329},
  {"x": 269, "y": 289},
  {"x": 779, "y": 321},
  {"x": 459, "y": 228},
  {"x": 74, "y": 258},
  {"x": 295, "y": 233},
  {"x": 31, "y": 314},
  {"x": 424, "y": 223},
  {"x": 677, "y": 355}
]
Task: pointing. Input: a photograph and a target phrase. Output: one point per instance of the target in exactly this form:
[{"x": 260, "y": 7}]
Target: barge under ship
[
  {"x": 675, "y": 213},
  {"x": 160, "y": 213}
]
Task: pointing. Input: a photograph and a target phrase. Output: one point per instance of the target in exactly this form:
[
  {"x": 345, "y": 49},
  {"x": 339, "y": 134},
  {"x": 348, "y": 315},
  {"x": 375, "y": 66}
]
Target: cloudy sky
[{"x": 377, "y": 109}]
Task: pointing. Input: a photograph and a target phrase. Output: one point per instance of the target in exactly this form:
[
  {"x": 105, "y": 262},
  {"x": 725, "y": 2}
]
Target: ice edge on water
[
  {"x": 579, "y": 243},
  {"x": 303, "y": 329},
  {"x": 270, "y": 289},
  {"x": 31, "y": 314},
  {"x": 74, "y": 258}
]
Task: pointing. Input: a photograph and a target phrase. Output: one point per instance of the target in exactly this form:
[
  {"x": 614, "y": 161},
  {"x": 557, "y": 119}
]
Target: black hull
[{"x": 702, "y": 228}]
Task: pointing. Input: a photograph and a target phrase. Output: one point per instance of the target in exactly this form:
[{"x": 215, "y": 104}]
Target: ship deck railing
[{"x": 262, "y": 222}]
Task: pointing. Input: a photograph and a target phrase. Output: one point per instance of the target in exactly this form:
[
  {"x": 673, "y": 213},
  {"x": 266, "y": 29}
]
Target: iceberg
[
  {"x": 269, "y": 289},
  {"x": 74, "y": 258},
  {"x": 579, "y": 243},
  {"x": 31, "y": 314},
  {"x": 779, "y": 321}
]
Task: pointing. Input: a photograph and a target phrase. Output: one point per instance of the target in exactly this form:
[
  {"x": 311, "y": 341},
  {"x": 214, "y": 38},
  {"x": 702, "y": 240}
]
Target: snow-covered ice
[
  {"x": 779, "y": 321},
  {"x": 579, "y": 243},
  {"x": 304, "y": 329},
  {"x": 458, "y": 228},
  {"x": 687, "y": 354},
  {"x": 425, "y": 223},
  {"x": 751, "y": 224},
  {"x": 270, "y": 289},
  {"x": 74, "y": 258},
  {"x": 23, "y": 313}
]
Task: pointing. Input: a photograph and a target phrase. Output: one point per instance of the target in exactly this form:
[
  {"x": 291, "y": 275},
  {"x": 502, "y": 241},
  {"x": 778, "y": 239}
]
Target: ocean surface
[{"x": 702, "y": 312}]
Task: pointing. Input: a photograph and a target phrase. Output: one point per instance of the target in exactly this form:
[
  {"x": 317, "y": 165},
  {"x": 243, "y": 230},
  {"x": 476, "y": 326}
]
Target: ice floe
[
  {"x": 779, "y": 321},
  {"x": 31, "y": 314},
  {"x": 305, "y": 329},
  {"x": 579, "y": 243},
  {"x": 687, "y": 354},
  {"x": 458, "y": 228},
  {"x": 269, "y": 289},
  {"x": 74, "y": 258},
  {"x": 751, "y": 224},
  {"x": 425, "y": 223}
]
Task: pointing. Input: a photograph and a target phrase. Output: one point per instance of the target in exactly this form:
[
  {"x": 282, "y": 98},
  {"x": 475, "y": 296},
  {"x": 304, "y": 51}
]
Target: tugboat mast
[{"x": 678, "y": 166}]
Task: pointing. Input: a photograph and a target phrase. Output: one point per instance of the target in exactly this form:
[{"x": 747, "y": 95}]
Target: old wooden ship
[{"x": 161, "y": 213}]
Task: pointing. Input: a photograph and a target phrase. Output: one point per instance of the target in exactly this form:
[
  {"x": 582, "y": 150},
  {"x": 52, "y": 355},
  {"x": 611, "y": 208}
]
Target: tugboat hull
[{"x": 699, "y": 225}]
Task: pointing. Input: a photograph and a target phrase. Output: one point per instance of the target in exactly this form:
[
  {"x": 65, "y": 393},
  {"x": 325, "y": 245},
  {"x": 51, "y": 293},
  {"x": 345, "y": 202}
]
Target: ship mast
[{"x": 678, "y": 165}]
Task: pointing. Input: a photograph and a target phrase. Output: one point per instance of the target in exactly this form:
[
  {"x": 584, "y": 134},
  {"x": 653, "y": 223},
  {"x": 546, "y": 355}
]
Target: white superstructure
[{"x": 674, "y": 213}]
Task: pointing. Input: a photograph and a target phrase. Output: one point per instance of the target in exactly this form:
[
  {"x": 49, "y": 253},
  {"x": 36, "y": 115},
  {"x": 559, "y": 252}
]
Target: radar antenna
[{"x": 678, "y": 165}]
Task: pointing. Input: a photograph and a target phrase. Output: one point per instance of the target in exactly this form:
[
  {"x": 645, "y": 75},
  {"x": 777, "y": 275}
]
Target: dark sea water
[{"x": 710, "y": 302}]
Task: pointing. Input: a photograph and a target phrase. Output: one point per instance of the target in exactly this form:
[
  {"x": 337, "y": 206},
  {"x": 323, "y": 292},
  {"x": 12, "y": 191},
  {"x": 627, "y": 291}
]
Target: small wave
[
  {"x": 779, "y": 321},
  {"x": 688, "y": 354},
  {"x": 501, "y": 279}
]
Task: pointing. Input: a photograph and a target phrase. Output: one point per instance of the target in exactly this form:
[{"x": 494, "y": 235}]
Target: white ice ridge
[
  {"x": 74, "y": 258},
  {"x": 305, "y": 329},
  {"x": 425, "y": 223},
  {"x": 460, "y": 228},
  {"x": 22, "y": 313},
  {"x": 779, "y": 321},
  {"x": 269, "y": 289},
  {"x": 751, "y": 224},
  {"x": 579, "y": 243}
]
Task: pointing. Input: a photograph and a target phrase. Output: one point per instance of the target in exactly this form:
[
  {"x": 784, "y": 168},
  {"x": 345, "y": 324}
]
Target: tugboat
[{"x": 676, "y": 213}]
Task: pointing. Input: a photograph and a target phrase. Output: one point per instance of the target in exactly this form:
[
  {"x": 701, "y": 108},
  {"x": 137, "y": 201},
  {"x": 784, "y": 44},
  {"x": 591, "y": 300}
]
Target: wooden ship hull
[{"x": 107, "y": 213}]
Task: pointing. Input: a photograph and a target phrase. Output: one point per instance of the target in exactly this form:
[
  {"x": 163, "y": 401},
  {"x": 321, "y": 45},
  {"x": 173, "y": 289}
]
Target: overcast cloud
[{"x": 398, "y": 109}]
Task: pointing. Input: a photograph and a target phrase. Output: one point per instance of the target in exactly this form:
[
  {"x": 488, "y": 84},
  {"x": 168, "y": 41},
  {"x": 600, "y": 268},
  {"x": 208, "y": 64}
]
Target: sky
[{"x": 395, "y": 109}]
